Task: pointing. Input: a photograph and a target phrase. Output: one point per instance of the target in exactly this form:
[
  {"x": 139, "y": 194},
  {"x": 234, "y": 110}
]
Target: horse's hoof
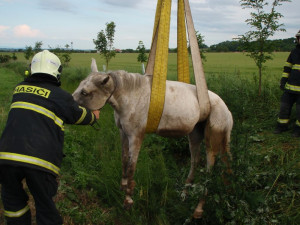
[
  {"x": 123, "y": 185},
  {"x": 128, "y": 203},
  {"x": 127, "y": 206},
  {"x": 198, "y": 213}
]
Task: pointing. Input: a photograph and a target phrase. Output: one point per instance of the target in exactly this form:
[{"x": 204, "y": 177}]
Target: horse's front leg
[
  {"x": 135, "y": 143},
  {"x": 125, "y": 155}
]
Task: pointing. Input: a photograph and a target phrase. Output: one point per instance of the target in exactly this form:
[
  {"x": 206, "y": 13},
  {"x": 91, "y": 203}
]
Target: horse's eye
[{"x": 84, "y": 93}]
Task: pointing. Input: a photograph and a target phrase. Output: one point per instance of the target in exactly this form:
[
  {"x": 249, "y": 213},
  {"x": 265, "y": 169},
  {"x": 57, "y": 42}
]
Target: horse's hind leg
[
  {"x": 213, "y": 141},
  {"x": 225, "y": 152},
  {"x": 195, "y": 139},
  {"x": 217, "y": 142}
]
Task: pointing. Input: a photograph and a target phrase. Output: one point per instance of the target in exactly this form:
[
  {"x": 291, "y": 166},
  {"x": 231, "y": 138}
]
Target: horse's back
[{"x": 182, "y": 112}]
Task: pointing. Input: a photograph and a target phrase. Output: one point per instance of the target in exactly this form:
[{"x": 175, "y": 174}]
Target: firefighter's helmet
[{"x": 46, "y": 62}]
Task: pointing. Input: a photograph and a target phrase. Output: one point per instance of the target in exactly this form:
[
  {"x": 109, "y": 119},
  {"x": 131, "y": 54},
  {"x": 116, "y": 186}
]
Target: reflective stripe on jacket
[
  {"x": 34, "y": 132},
  {"x": 291, "y": 71}
]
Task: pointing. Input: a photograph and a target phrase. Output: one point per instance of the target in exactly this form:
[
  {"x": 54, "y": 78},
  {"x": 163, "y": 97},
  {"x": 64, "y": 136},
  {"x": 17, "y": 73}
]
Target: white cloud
[
  {"x": 216, "y": 20},
  {"x": 3, "y": 28},
  {"x": 24, "y": 30}
]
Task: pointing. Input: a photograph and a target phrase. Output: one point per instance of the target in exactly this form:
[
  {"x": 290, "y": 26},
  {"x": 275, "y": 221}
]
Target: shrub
[{"x": 5, "y": 58}]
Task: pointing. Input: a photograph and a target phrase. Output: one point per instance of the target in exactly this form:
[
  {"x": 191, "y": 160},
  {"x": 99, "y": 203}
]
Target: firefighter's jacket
[
  {"x": 34, "y": 133},
  {"x": 291, "y": 72}
]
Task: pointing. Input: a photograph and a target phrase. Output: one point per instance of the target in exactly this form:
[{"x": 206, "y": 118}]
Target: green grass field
[
  {"x": 264, "y": 187},
  {"x": 216, "y": 62}
]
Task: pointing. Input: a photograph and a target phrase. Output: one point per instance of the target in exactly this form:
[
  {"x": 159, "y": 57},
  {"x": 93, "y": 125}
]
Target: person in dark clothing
[
  {"x": 31, "y": 145},
  {"x": 290, "y": 83}
]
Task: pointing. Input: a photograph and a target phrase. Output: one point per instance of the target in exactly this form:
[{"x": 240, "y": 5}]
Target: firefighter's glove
[{"x": 96, "y": 113}]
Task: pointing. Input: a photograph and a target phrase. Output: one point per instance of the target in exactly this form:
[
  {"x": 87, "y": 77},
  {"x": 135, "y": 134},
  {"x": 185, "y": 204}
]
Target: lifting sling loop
[{"x": 158, "y": 60}]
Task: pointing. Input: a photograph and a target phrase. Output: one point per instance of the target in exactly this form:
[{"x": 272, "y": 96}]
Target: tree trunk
[{"x": 259, "y": 84}]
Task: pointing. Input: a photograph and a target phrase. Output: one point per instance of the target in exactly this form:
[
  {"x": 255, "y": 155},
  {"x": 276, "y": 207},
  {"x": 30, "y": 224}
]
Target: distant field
[{"x": 216, "y": 63}]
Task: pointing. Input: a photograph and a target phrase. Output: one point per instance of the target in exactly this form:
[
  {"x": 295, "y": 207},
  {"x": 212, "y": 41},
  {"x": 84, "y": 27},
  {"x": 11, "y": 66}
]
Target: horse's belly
[
  {"x": 180, "y": 114},
  {"x": 172, "y": 133},
  {"x": 172, "y": 124}
]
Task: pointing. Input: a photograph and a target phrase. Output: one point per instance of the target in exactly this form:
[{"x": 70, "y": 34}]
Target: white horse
[{"x": 129, "y": 95}]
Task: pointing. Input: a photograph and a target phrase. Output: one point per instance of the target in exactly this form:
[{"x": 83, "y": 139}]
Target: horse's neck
[{"x": 127, "y": 95}]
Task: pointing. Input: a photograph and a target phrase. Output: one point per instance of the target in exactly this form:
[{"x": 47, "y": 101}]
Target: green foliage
[
  {"x": 73, "y": 75},
  {"x": 28, "y": 53},
  {"x": 104, "y": 42},
  {"x": 5, "y": 58},
  {"x": 200, "y": 40},
  {"x": 38, "y": 47},
  {"x": 17, "y": 67},
  {"x": 265, "y": 24},
  {"x": 14, "y": 57},
  {"x": 142, "y": 57},
  {"x": 226, "y": 46}
]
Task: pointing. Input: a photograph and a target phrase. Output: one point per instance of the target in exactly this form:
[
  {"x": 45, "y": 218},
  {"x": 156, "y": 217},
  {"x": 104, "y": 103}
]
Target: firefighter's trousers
[
  {"x": 287, "y": 102},
  {"x": 42, "y": 186}
]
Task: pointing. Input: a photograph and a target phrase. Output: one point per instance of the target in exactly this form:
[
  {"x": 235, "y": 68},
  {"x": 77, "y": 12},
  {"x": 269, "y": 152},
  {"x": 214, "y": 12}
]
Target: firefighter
[
  {"x": 32, "y": 141},
  {"x": 290, "y": 83}
]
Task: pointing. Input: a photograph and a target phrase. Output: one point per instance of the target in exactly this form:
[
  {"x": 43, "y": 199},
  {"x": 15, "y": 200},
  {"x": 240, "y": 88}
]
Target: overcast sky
[{"x": 60, "y": 22}]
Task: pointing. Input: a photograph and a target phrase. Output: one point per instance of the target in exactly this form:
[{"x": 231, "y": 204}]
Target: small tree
[
  {"x": 28, "y": 53},
  {"x": 265, "y": 25},
  {"x": 38, "y": 46},
  {"x": 5, "y": 58},
  {"x": 104, "y": 42},
  {"x": 142, "y": 57},
  {"x": 66, "y": 55},
  {"x": 200, "y": 40},
  {"x": 14, "y": 57}
]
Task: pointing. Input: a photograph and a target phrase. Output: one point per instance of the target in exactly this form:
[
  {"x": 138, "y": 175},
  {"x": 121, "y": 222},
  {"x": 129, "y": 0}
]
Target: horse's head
[{"x": 94, "y": 91}]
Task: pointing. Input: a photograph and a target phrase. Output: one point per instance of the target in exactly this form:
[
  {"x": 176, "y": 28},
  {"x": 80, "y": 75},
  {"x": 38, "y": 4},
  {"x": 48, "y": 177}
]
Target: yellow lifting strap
[
  {"x": 158, "y": 60},
  {"x": 183, "y": 71},
  {"x": 158, "y": 63}
]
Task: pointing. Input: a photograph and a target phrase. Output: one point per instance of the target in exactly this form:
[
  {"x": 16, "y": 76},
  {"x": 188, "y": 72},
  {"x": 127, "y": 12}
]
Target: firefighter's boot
[
  {"x": 280, "y": 128},
  {"x": 296, "y": 132}
]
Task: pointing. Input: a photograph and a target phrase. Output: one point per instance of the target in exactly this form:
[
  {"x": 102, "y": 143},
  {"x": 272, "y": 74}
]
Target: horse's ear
[
  {"x": 106, "y": 79},
  {"x": 100, "y": 81},
  {"x": 94, "y": 66}
]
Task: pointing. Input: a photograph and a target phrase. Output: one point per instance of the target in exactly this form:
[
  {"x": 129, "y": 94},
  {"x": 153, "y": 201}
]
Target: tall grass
[{"x": 263, "y": 189}]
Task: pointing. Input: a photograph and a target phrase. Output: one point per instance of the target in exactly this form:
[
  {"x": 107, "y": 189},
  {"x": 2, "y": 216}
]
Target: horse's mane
[{"x": 127, "y": 81}]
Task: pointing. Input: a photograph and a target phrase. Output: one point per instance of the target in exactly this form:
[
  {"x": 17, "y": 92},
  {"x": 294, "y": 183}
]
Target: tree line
[{"x": 280, "y": 45}]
